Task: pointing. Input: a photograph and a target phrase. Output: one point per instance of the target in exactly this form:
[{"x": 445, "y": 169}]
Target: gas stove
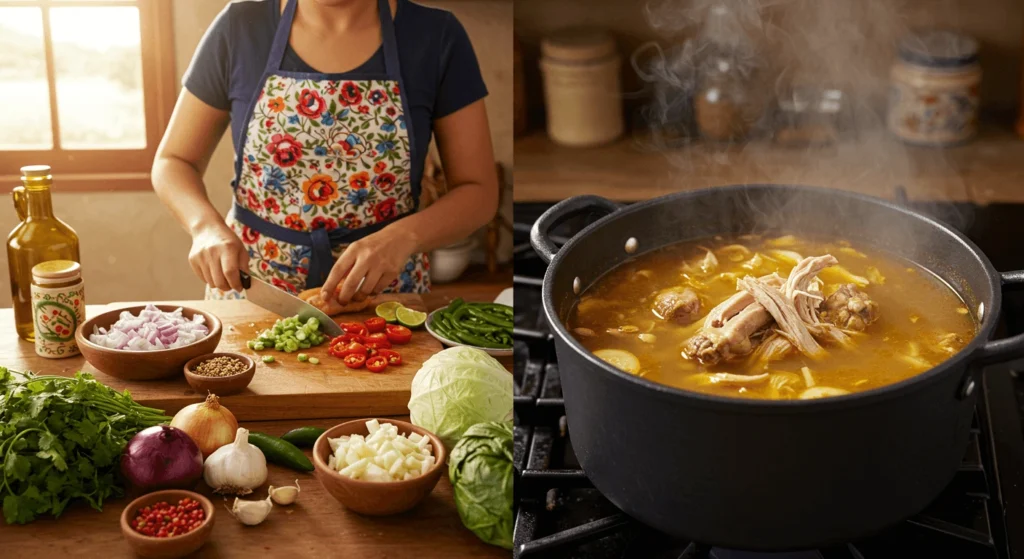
[{"x": 980, "y": 515}]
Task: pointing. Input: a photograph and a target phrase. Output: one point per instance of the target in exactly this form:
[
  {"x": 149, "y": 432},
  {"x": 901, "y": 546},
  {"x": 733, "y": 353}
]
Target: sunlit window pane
[
  {"x": 25, "y": 111},
  {"x": 99, "y": 77}
]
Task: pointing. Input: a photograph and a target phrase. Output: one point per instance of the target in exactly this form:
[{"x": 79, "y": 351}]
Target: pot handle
[
  {"x": 998, "y": 351},
  {"x": 560, "y": 212}
]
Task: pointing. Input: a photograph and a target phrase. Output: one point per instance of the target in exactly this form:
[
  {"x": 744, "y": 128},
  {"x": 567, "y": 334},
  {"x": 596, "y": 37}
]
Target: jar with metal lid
[
  {"x": 582, "y": 87},
  {"x": 933, "y": 98},
  {"x": 58, "y": 307}
]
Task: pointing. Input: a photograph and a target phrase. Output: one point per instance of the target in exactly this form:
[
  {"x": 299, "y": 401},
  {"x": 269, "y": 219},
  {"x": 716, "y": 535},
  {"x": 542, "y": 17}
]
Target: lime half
[
  {"x": 410, "y": 318},
  {"x": 386, "y": 310}
]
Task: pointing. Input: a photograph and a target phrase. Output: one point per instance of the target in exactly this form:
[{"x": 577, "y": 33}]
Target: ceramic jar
[{"x": 933, "y": 97}]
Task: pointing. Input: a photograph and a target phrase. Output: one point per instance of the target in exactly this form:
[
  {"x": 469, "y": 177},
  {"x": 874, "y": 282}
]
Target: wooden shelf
[{"x": 989, "y": 169}]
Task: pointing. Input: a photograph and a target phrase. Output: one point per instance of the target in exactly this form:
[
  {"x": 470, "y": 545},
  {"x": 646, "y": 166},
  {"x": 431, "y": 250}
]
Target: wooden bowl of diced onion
[{"x": 377, "y": 495}]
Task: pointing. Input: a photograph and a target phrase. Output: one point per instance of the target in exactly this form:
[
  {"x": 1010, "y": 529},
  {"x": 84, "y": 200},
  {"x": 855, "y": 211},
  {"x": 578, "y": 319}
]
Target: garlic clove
[
  {"x": 284, "y": 495},
  {"x": 251, "y": 513}
]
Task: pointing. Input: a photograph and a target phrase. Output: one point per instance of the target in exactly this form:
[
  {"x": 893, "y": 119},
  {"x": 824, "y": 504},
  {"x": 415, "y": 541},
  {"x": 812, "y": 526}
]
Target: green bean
[
  {"x": 479, "y": 341},
  {"x": 487, "y": 317},
  {"x": 481, "y": 328}
]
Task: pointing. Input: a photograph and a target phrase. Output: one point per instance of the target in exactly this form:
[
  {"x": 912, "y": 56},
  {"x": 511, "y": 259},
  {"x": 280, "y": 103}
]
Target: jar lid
[
  {"x": 35, "y": 171},
  {"x": 578, "y": 44},
  {"x": 56, "y": 270},
  {"x": 939, "y": 48}
]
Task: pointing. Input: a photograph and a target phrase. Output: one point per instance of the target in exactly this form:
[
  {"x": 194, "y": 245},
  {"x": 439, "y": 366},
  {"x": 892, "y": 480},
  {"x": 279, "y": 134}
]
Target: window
[{"x": 87, "y": 87}]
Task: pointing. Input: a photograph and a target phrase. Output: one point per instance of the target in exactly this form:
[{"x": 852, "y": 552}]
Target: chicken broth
[{"x": 771, "y": 318}]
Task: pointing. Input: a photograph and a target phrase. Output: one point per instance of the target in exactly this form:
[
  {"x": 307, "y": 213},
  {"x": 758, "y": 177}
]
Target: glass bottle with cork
[
  {"x": 38, "y": 238},
  {"x": 58, "y": 307}
]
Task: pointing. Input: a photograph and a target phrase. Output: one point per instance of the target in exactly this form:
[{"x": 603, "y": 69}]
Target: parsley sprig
[{"x": 60, "y": 439}]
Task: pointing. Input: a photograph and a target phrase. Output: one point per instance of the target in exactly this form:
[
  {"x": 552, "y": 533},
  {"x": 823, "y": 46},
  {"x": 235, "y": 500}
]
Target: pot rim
[{"x": 959, "y": 361}]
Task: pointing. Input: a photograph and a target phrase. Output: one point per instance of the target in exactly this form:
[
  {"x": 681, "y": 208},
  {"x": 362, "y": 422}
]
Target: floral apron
[{"x": 324, "y": 160}]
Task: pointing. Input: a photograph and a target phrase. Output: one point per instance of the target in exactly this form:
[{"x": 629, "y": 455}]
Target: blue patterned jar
[{"x": 933, "y": 98}]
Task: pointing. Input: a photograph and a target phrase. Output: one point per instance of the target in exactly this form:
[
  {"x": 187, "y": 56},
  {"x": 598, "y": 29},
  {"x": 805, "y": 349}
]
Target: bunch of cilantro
[{"x": 60, "y": 439}]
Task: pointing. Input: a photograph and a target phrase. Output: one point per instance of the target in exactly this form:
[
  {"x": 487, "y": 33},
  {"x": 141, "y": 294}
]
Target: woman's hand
[
  {"x": 374, "y": 260},
  {"x": 217, "y": 256}
]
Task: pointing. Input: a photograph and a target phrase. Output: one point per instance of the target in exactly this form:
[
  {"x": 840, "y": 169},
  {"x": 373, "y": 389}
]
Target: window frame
[{"x": 101, "y": 170}]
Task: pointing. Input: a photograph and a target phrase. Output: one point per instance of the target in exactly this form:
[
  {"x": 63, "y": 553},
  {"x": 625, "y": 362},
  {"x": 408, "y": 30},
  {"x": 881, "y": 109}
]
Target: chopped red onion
[{"x": 153, "y": 329}]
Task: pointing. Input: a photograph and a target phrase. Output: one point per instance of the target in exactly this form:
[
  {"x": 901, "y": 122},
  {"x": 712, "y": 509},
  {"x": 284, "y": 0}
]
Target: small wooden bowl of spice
[
  {"x": 220, "y": 373},
  {"x": 167, "y": 524}
]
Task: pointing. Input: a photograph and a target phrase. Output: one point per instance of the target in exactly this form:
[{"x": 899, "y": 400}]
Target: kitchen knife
[{"x": 285, "y": 304}]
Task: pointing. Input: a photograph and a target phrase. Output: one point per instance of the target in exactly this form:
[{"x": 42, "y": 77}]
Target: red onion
[{"x": 162, "y": 457}]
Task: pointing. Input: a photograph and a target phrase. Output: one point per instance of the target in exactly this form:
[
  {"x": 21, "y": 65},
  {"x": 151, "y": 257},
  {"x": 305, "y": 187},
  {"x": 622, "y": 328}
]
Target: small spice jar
[
  {"x": 582, "y": 87},
  {"x": 721, "y": 106},
  {"x": 58, "y": 307},
  {"x": 933, "y": 97}
]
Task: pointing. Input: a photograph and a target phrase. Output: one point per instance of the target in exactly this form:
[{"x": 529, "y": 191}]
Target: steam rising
[{"x": 782, "y": 47}]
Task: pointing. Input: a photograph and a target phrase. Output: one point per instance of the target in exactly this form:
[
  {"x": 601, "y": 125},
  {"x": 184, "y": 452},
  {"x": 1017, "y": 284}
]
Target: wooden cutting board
[{"x": 285, "y": 389}]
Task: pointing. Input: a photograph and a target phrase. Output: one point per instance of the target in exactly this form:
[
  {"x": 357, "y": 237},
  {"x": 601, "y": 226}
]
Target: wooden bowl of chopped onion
[
  {"x": 147, "y": 342},
  {"x": 379, "y": 467}
]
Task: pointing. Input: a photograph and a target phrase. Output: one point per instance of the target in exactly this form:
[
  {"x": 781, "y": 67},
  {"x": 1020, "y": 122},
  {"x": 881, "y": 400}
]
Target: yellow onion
[{"x": 208, "y": 423}]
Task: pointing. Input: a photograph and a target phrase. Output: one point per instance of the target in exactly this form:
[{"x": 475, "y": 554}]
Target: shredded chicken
[
  {"x": 849, "y": 308},
  {"x": 710, "y": 263},
  {"x": 773, "y": 348},
  {"x": 678, "y": 304},
  {"x": 733, "y": 305},
  {"x": 785, "y": 314},
  {"x": 731, "y": 379}
]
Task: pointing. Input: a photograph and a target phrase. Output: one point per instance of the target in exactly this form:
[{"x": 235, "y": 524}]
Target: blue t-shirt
[{"x": 439, "y": 67}]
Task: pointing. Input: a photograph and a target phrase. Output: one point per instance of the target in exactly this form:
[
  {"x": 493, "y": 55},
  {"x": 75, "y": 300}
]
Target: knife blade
[{"x": 285, "y": 304}]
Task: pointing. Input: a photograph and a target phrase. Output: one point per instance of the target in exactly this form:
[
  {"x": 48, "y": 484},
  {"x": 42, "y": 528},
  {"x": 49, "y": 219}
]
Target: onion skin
[
  {"x": 208, "y": 423},
  {"x": 161, "y": 457}
]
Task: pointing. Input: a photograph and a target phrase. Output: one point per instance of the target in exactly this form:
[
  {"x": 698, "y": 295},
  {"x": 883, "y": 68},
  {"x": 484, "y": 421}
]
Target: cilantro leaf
[{"x": 16, "y": 467}]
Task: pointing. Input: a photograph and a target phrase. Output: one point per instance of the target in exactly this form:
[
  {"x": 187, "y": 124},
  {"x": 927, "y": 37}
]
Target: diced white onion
[{"x": 382, "y": 455}]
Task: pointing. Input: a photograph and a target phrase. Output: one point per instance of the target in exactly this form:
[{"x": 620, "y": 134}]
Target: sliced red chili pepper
[
  {"x": 377, "y": 363},
  {"x": 393, "y": 357},
  {"x": 346, "y": 339},
  {"x": 376, "y": 337},
  {"x": 354, "y": 328},
  {"x": 379, "y": 345},
  {"x": 375, "y": 324},
  {"x": 355, "y": 360},
  {"x": 398, "y": 334}
]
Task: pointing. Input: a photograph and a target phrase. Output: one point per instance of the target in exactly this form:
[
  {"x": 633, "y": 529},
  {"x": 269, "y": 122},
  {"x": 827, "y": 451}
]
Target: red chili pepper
[
  {"x": 354, "y": 328},
  {"x": 375, "y": 324},
  {"x": 398, "y": 334},
  {"x": 394, "y": 358},
  {"x": 355, "y": 360},
  {"x": 377, "y": 363},
  {"x": 377, "y": 337},
  {"x": 374, "y": 346},
  {"x": 346, "y": 339}
]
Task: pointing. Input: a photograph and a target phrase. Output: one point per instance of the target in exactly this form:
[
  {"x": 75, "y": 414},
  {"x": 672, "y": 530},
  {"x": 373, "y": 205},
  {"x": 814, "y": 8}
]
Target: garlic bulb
[
  {"x": 236, "y": 468},
  {"x": 284, "y": 495},
  {"x": 251, "y": 513}
]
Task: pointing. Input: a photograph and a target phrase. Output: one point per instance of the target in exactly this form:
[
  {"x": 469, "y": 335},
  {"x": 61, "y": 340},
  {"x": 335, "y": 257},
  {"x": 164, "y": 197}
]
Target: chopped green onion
[
  {"x": 314, "y": 360},
  {"x": 268, "y": 358}
]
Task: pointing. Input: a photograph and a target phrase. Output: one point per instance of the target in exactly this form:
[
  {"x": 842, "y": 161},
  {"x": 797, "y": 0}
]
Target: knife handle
[{"x": 246, "y": 280}]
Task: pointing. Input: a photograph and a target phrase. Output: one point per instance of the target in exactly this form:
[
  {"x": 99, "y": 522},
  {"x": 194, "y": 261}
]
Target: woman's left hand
[{"x": 374, "y": 260}]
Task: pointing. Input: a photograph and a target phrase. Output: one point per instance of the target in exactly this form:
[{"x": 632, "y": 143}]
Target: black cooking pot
[{"x": 767, "y": 475}]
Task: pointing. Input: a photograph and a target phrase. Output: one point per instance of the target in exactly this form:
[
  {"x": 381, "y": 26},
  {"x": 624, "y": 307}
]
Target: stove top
[{"x": 980, "y": 515}]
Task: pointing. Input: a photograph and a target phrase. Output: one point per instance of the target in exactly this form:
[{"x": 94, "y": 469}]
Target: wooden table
[{"x": 316, "y": 526}]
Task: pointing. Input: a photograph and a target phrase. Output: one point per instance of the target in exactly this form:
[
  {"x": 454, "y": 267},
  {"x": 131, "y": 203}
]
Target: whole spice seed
[
  {"x": 163, "y": 520},
  {"x": 220, "y": 367}
]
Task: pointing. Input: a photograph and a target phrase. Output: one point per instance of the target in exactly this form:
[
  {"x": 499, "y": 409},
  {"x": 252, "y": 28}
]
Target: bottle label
[{"x": 57, "y": 312}]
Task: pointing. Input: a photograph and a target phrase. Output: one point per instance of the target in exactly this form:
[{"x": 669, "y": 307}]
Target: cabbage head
[
  {"x": 458, "y": 388},
  {"x": 480, "y": 470}
]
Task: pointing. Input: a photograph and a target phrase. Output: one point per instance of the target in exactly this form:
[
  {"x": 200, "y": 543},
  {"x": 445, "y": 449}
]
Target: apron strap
[
  {"x": 321, "y": 240},
  {"x": 387, "y": 31},
  {"x": 280, "y": 44}
]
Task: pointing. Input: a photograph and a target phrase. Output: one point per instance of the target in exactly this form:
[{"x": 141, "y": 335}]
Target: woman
[{"x": 331, "y": 104}]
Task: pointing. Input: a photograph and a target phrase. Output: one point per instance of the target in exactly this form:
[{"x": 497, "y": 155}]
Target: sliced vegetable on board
[
  {"x": 289, "y": 335},
  {"x": 457, "y": 388},
  {"x": 480, "y": 470}
]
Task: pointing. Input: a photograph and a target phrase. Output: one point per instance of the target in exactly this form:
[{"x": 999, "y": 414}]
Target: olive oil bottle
[{"x": 38, "y": 238}]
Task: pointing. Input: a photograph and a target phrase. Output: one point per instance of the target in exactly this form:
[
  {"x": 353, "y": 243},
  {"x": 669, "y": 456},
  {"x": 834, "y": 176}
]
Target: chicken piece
[
  {"x": 774, "y": 348},
  {"x": 733, "y": 305},
  {"x": 711, "y": 345},
  {"x": 677, "y": 304},
  {"x": 785, "y": 314},
  {"x": 798, "y": 284},
  {"x": 360, "y": 301},
  {"x": 849, "y": 308},
  {"x": 728, "y": 379}
]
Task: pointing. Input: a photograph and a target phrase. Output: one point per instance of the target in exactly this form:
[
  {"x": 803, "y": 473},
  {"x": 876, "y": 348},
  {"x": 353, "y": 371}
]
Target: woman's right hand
[{"x": 217, "y": 256}]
